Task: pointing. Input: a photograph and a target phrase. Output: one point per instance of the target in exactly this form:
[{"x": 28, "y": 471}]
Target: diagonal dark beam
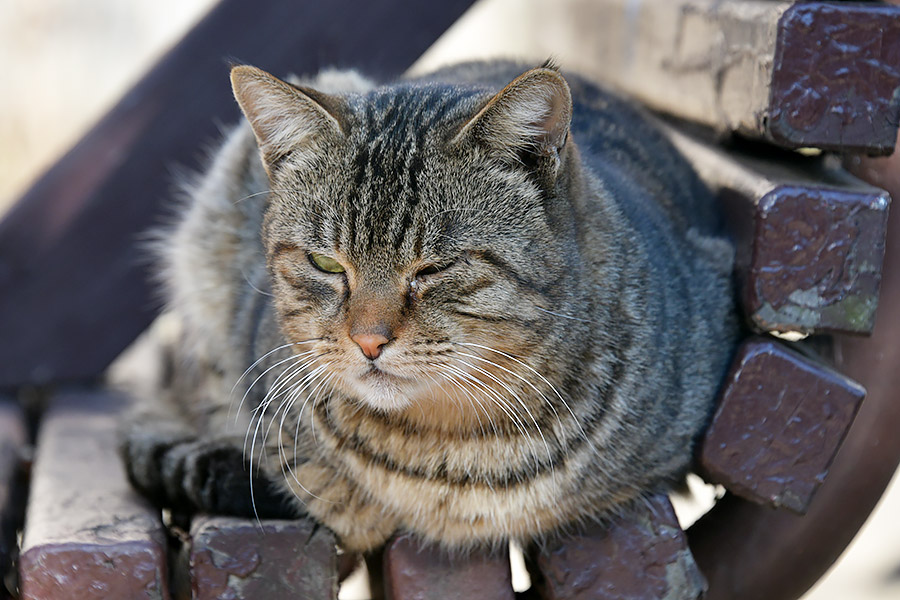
[{"x": 74, "y": 285}]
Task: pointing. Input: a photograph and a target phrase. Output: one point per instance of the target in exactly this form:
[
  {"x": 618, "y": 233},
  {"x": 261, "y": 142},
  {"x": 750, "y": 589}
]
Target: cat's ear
[
  {"x": 530, "y": 115},
  {"x": 286, "y": 119}
]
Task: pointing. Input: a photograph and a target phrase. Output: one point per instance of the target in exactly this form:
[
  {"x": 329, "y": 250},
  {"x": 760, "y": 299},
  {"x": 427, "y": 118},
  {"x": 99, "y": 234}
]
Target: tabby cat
[{"x": 463, "y": 306}]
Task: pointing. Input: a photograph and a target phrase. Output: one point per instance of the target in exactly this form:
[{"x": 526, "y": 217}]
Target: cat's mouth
[
  {"x": 374, "y": 374},
  {"x": 383, "y": 389}
]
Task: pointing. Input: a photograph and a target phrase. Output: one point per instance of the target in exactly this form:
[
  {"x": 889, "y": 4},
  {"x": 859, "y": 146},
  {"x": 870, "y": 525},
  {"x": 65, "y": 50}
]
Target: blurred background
[{"x": 66, "y": 63}]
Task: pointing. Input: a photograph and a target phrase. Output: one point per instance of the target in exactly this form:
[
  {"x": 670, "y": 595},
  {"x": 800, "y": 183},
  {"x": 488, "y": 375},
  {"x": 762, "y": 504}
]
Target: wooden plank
[
  {"x": 13, "y": 437},
  {"x": 414, "y": 571},
  {"x": 779, "y": 423},
  {"x": 810, "y": 238},
  {"x": 805, "y": 74},
  {"x": 88, "y": 535},
  {"x": 70, "y": 264},
  {"x": 640, "y": 554},
  {"x": 240, "y": 558},
  {"x": 749, "y": 551}
]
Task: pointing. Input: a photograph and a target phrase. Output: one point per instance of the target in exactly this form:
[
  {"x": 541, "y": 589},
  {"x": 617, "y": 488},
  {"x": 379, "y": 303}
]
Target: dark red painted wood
[
  {"x": 640, "y": 554},
  {"x": 780, "y": 420},
  {"x": 835, "y": 71},
  {"x": 815, "y": 262},
  {"x": 413, "y": 571},
  {"x": 809, "y": 236},
  {"x": 748, "y": 551},
  {"x": 240, "y": 558},
  {"x": 88, "y": 535}
]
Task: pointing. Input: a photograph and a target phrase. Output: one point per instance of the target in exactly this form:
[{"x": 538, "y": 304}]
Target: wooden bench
[{"x": 811, "y": 239}]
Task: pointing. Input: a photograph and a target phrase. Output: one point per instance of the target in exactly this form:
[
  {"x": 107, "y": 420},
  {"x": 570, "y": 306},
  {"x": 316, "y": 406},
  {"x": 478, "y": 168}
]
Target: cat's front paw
[
  {"x": 212, "y": 476},
  {"x": 143, "y": 448},
  {"x": 173, "y": 468}
]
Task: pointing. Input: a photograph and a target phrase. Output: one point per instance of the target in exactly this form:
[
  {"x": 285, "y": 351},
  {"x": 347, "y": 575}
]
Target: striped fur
[{"x": 548, "y": 273}]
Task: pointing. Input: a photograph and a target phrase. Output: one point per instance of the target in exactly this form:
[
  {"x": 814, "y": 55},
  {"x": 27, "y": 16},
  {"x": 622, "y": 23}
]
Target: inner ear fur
[
  {"x": 286, "y": 118},
  {"x": 531, "y": 114}
]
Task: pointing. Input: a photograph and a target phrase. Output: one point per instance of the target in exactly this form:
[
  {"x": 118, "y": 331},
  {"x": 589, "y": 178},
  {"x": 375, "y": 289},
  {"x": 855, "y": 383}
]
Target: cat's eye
[
  {"x": 433, "y": 269},
  {"x": 325, "y": 263}
]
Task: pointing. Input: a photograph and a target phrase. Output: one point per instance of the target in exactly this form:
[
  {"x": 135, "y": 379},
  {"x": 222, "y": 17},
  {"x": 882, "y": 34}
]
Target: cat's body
[{"x": 480, "y": 330}]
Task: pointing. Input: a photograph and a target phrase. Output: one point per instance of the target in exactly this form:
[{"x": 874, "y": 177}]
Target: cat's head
[{"x": 418, "y": 236}]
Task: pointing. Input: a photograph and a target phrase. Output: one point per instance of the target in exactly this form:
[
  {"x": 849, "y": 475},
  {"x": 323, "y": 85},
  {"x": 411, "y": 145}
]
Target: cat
[{"x": 483, "y": 305}]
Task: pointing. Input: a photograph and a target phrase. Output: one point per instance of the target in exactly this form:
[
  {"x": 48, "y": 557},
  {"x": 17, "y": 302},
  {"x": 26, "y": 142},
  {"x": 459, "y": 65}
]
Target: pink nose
[{"x": 370, "y": 343}]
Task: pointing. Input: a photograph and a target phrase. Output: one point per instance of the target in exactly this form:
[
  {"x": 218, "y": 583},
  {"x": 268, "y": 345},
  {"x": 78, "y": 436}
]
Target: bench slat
[
  {"x": 779, "y": 424},
  {"x": 88, "y": 535},
  {"x": 641, "y": 554},
  {"x": 807, "y": 74},
  {"x": 810, "y": 238},
  {"x": 748, "y": 551},
  {"x": 413, "y": 571},
  {"x": 240, "y": 558}
]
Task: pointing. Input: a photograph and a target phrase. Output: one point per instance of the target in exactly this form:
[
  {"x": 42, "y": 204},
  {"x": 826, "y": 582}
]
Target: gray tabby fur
[{"x": 549, "y": 275}]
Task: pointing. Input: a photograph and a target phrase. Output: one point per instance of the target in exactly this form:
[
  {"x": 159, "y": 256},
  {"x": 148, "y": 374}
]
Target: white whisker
[
  {"x": 254, "y": 288},
  {"x": 501, "y": 403},
  {"x": 521, "y": 403},
  {"x": 251, "y": 367},
  {"x": 544, "y": 379},
  {"x": 278, "y": 386},
  {"x": 258, "y": 414}
]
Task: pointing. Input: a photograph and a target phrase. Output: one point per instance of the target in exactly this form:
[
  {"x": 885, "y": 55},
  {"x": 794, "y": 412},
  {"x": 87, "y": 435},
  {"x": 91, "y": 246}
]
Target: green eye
[{"x": 325, "y": 263}]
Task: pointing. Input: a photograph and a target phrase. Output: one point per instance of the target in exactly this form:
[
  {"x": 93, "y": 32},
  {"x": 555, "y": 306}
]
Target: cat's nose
[{"x": 370, "y": 343}]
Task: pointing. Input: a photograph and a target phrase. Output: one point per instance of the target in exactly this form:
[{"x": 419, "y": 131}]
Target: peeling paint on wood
[
  {"x": 797, "y": 74},
  {"x": 810, "y": 238},
  {"x": 780, "y": 421},
  {"x": 88, "y": 535},
  {"x": 640, "y": 554},
  {"x": 234, "y": 558}
]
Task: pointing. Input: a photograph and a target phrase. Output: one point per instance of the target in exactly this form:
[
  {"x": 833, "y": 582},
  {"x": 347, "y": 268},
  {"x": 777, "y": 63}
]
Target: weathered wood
[
  {"x": 810, "y": 238},
  {"x": 640, "y": 554},
  {"x": 814, "y": 74},
  {"x": 12, "y": 442},
  {"x": 748, "y": 551},
  {"x": 781, "y": 419},
  {"x": 240, "y": 558},
  {"x": 88, "y": 535},
  {"x": 70, "y": 265},
  {"x": 413, "y": 571}
]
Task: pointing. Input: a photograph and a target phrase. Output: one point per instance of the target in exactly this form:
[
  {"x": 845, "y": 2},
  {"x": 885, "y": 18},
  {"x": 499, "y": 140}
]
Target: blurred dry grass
[{"x": 66, "y": 62}]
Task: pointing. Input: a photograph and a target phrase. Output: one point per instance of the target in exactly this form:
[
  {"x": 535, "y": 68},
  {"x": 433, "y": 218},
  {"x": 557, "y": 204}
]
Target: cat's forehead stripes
[{"x": 394, "y": 137}]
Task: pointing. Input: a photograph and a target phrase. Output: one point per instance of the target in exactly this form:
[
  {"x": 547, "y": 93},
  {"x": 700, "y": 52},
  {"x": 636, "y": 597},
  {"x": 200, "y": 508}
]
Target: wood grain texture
[
  {"x": 240, "y": 558},
  {"x": 413, "y": 571},
  {"x": 810, "y": 238},
  {"x": 806, "y": 74},
  {"x": 640, "y": 554},
  {"x": 88, "y": 535},
  {"x": 74, "y": 287},
  {"x": 779, "y": 423}
]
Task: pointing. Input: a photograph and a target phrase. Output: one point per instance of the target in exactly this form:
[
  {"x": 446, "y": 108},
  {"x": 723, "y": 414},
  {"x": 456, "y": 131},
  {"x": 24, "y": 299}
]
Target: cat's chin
[{"x": 382, "y": 391}]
